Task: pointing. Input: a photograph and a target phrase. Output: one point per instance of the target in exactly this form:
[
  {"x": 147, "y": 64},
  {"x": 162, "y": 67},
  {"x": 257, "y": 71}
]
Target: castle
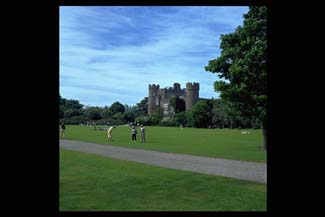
[{"x": 160, "y": 97}]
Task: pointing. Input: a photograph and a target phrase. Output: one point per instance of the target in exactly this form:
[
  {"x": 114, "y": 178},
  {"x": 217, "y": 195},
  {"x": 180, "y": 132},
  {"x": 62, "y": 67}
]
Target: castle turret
[
  {"x": 153, "y": 98},
  {"x": 177, "y": 89},
  {"x": 192, "y": 94}
]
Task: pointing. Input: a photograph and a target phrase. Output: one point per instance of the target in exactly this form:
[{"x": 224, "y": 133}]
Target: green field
[
  {"x": 89, "y": 182},
  {"x": 222, "y": 143}
]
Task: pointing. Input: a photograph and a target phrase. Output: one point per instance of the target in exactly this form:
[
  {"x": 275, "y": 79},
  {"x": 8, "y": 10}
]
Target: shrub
[
  {"x": 167, "y": 122},
  {"x": 142, "y": 120}
]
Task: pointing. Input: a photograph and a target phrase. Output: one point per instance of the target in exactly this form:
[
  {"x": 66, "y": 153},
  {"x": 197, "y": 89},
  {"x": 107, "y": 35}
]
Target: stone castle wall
[{"x": 160, "y": 97}]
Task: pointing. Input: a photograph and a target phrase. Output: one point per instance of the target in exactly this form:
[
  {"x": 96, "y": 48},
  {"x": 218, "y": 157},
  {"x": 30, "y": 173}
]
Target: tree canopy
[
  {"x": 117, "y": 107},
  {"x": 199, "y": 115},
  {"x": 177, "y": 104}
]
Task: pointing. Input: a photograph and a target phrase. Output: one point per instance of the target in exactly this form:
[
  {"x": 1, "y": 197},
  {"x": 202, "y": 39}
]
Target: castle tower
[
  {"x": 153, "y": 99},
  {"x": 192, "y": 94},
  {"x": 177, "y": 89}
]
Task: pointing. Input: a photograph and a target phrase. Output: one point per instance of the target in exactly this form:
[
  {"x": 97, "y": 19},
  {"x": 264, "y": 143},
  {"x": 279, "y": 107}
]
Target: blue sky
[{"x": 110, "y": 54}]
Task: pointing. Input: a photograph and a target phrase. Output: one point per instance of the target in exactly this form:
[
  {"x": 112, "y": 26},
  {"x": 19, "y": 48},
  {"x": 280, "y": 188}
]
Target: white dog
[{"x": 245, "y": 132}]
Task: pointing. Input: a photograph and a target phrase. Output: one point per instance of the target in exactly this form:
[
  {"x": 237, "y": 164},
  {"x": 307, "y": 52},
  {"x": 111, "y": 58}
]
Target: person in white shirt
[
  {"x": 109, "y": 133},
  {"x": 142, "y": 133}
]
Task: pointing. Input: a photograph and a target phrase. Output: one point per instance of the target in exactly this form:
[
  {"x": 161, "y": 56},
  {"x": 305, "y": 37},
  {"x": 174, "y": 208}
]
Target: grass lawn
[
  {"x": 90, "y": 182},
  {"x": 222, "y": 143}
]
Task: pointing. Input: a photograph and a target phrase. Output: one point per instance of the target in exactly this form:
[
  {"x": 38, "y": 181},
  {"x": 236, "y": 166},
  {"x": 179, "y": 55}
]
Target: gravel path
[{"x": 213, "y": 166}]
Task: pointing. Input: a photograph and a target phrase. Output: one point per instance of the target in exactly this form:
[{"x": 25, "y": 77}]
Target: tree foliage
[
  {"x": 199, "y": 116},
  {"x": 69, "y": 108},
  {"x": 142, "y": 107},
  {"x": 117, "y": 107},
  {"x": 93, "y": 113},
  {"x": 242, "y": 66},
  {"x": 106, "y": 112},
  {"x": 207, "y": 113},
  {"x": 177, "y": 104}
]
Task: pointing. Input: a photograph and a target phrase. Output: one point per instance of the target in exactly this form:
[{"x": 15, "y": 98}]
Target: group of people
[
  {"x": 110, "y": 132},
  {"x": 133, "y": 133}
]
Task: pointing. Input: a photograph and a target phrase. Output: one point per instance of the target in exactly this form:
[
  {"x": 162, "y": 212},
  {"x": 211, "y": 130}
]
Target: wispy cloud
[{"x": 111, "y": 54}]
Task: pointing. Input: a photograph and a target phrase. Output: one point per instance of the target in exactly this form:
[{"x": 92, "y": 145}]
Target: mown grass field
[
  {"x": 221, "y": 143},
  {"x": 94, "y": 183}
]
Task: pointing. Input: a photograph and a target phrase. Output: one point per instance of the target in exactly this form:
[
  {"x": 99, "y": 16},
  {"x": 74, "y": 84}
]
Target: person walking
[
  {"x": 142, "y": 133},
  {"x": 62, "y": 130},
  {"x": 134, "y": 134}
]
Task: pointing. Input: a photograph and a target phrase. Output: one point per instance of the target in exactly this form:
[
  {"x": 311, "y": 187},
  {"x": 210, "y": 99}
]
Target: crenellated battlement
[
  {"x": 192, "y": 86},
  {"x": 177, "y": 86},
  {"x": 154, "y": 87}
]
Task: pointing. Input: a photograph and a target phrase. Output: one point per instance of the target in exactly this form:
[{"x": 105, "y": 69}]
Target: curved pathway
[{"x": 213, "y": 166}]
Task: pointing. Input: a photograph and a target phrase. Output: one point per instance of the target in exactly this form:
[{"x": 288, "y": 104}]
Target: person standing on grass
[
  {"x": 62, "y": 130},
  {"x": 142, "y": 133},
  {"x": 109, "y": 133},
  {"x": 134, "y": 134}
]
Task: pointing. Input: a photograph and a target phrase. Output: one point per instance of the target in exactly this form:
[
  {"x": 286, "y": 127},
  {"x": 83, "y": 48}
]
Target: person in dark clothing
[
  {"x": 62, "y": 130},
  {"x": 134, "y": 134}
]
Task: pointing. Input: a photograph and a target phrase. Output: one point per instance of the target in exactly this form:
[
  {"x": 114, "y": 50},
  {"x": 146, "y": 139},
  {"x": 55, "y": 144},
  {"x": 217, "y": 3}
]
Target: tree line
[
  {"x": 212, "y": 113},
  {"x": 72, "y": 112}
]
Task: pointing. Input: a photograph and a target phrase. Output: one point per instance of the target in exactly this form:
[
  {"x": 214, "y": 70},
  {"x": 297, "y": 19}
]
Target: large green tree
[
  {"x": 199, "y": 115},
  {"x": 220, "y": 118},
  {"x": 142, "y": 107},
  {"x": 242, "y": 66},
  {"x": 177, "y": 104},
  {"x": 69, "y": 108},
  {"x": 130, "y": 113},
  {"x": 106, "y": 112},
  {"x": 94, "y": 113},
  {"x": 117, "y": 107}
]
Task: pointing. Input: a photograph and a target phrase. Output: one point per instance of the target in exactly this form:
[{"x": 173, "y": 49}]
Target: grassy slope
[
  {"x": 223, "y": 143},
  {"x": 90, "y": 182}
]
